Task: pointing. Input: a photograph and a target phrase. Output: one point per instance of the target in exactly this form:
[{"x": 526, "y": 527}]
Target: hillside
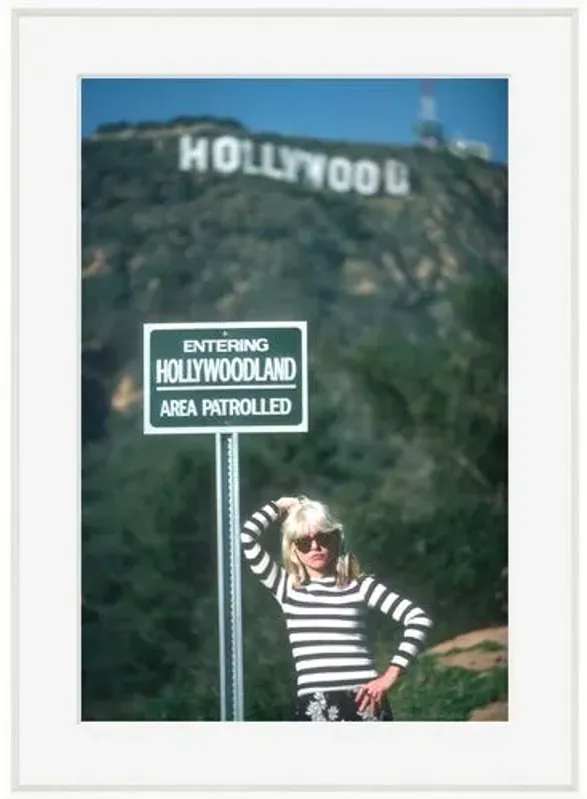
[{"x": 397, "y": 260}]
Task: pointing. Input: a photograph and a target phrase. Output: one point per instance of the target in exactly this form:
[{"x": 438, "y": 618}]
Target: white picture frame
[{"x": 537, "y": 48}]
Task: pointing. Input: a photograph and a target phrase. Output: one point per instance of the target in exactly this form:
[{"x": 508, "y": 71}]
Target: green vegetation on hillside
[{"x": 432, "y": 693}]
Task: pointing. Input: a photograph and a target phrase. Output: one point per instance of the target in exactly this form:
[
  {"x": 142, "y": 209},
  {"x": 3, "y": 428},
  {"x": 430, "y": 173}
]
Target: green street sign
[{"x": 236, "y": 377}]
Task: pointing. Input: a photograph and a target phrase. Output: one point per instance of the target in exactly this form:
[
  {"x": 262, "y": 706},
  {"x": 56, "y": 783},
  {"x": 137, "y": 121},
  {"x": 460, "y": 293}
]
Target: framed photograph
[{"x": 347, "y": 237}]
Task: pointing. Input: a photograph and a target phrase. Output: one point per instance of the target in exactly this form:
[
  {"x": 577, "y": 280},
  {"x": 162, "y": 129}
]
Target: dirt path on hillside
[
  {"x": 466, "y": 651},
  {"x": 470, "y": 654}
]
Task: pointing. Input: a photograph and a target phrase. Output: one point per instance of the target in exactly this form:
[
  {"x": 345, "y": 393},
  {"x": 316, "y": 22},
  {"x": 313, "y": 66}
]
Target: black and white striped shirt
[{"x": 326, "y": 622}]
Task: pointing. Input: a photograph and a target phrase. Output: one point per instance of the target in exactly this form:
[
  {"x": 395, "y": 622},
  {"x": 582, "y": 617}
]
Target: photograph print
[{"x": 294, "y": 399}]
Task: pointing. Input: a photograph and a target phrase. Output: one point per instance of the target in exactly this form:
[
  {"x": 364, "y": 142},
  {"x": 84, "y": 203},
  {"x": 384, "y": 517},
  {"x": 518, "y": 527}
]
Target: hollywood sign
[{"x": 227, "y": 155}]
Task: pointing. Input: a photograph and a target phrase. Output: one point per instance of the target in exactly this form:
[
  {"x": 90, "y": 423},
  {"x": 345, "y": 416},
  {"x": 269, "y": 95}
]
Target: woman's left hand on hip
[{"x": 372, "y": 694}]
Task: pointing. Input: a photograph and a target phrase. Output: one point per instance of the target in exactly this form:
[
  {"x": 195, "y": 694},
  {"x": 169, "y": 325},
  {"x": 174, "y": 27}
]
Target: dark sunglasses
[{"x": 322, "y": 539}]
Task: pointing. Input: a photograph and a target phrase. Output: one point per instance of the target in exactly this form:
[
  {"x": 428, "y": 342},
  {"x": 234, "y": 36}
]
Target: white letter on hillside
[
  {"x": 268, "y": 162},
  {"x": 366, "y": 177},
  {"x": 193, "y": 155},
  {"x": 315, "y": 164},
  {"x": 397, "y": 178},
  {"x": 249, "y": 166},
  {"x": 226, "y": 154},
  {"x": 289, "y": 163},
  {"x": 339, "y": 174}
]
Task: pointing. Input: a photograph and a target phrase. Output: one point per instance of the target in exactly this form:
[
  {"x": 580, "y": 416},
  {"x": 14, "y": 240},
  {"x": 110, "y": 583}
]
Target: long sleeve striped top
[{"x": 325, "y": 622}]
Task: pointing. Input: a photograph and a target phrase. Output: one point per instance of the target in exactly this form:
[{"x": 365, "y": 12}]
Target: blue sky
[{"x": 375, "y": 110}]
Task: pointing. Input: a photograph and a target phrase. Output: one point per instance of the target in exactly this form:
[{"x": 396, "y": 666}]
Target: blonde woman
[{"x": 324, "y": 596}]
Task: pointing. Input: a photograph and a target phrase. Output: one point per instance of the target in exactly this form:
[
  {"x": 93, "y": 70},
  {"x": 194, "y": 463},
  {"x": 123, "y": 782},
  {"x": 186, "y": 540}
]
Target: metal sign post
[
  {"x": 229, "y": 579},
  {"x": 230, "y": 378}
]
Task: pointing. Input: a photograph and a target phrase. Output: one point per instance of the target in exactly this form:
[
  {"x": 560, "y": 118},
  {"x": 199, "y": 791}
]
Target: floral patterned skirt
[{"x": 337, "y": 706}]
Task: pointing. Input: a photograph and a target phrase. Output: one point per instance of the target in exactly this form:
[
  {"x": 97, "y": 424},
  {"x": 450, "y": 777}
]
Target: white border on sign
[
  {"x": 538, "y": 746},
  {"x": 302, "y": 427}
]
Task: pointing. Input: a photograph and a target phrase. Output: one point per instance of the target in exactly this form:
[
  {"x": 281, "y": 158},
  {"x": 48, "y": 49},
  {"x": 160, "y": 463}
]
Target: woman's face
[{"x": 315, "y": 550}]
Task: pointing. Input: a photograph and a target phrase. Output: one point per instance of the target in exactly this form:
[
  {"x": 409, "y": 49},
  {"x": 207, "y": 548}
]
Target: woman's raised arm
[{"x": 260, "y": 562}]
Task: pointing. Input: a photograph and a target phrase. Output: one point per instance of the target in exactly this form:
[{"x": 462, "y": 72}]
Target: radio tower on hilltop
[{"x": 428, "y": 129}]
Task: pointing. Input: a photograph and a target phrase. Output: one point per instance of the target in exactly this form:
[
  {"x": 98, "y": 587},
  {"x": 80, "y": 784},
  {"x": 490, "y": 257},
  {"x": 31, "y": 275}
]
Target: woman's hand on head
[{"x": 285, "y": 503}]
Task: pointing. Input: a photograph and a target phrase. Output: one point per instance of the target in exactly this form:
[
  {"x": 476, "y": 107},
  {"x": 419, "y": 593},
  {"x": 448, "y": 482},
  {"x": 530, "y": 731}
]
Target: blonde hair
[{"x": 306, "y": 510}]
